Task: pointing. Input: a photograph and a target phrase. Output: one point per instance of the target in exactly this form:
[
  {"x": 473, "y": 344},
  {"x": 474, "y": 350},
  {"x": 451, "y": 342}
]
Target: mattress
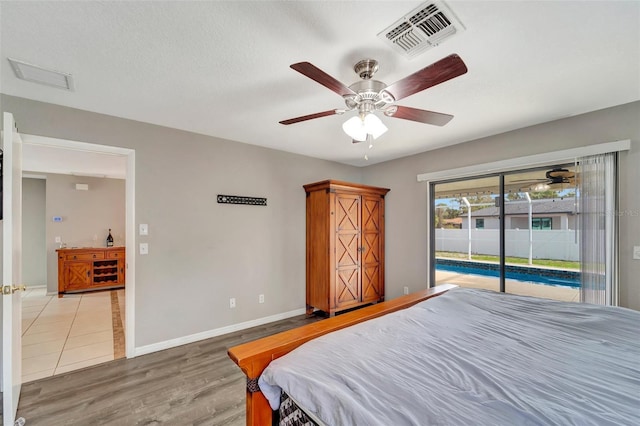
[
  {"x": 291, "y": 414},
  {"x": 470, "y": 357}
]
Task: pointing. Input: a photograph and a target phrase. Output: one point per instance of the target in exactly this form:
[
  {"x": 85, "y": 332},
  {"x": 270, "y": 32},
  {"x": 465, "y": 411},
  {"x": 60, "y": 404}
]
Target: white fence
[{"x": 560, "y": 244}]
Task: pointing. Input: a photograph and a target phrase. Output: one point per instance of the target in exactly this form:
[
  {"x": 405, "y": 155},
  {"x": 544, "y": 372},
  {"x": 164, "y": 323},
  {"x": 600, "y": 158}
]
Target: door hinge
[{"x": 6, "y": 289}]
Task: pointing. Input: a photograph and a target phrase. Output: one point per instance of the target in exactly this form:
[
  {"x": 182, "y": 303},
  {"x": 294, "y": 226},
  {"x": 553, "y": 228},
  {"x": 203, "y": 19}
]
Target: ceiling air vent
[
  {"x": 41, "y": 75},
  {"x": 423, "y": 28}
]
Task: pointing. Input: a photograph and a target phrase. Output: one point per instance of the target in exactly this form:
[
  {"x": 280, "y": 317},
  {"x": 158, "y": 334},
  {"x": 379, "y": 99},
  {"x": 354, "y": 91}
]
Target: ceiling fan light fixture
[
  {"x": 374, "y": 126},
  {"x": 540, "y": 187},
  {"x": 354, "y": 127},
  {"x": 358, "y": 128}
]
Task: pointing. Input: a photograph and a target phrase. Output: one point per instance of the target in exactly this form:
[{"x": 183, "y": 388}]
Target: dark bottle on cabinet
[{"x": 109, "y": 239}]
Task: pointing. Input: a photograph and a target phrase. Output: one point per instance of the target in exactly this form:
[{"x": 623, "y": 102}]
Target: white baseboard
[
  {"x": 167, "y": 344},
  {"x": 34, "y": 286}
]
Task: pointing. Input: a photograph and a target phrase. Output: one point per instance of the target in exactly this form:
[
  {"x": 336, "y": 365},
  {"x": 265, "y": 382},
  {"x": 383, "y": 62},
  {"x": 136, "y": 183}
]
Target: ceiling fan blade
[
  {"x": 438, "y": 72},
  {"x": 316, "y": 74},
  {"x": 419, "y": 115},
  {"x": 312, "y": 116}
]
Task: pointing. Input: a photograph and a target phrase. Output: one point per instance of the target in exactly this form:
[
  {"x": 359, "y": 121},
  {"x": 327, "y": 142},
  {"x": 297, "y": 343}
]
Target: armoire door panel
[
  {"x": 347, "y": 287},
  {"x": 371, "y": 244},
  {"x": 347, "y": 249},
  {"x": 347, "y": 230},
  {"x": 347, "y": 213},
  {"x": 371, "y": 215},
  {"x": 371, "y": 283}
]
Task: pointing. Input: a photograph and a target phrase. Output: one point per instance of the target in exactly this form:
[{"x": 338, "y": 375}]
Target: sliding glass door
[
  {"x": 466, "y": 229},
  {"x": 512, "y": 232},
  {"x": 541, "y": 243}
]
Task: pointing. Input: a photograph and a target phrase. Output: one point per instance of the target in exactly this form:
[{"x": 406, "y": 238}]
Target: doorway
[{"x": 102, "y": 167}]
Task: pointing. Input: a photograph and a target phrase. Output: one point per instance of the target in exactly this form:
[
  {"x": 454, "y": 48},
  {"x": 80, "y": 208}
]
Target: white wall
[
  {"x": 406, "y": 224},
  {"x": 34, "y": 261},
  {"x": 202, "y": 253},
  {"x": 86, "y": 216}
]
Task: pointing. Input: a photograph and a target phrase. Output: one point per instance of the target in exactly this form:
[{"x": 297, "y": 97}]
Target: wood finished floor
[{"x": 194, "y": 384}]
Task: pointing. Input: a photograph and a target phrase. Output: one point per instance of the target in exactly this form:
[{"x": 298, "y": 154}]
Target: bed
[{"x": 464, "y": 357}]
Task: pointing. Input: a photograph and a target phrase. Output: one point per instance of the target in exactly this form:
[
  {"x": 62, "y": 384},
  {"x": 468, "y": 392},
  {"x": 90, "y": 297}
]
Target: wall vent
[
  {"x": 41, "y": 75},
  {"x": 425, "y": 27}
]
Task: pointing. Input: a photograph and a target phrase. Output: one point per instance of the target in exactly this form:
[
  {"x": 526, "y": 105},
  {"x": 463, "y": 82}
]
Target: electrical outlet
[
  {"x": 58, "y": 240},
  {"x": 232, "y": 302},
  {"x": 406, "y": 290},
  {"x": 261, "y": 298},
  {"x": 636, "y": 252}
]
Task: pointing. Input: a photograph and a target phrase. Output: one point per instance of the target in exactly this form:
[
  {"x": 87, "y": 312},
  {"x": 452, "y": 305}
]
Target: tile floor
[{"x": 65, "y": 334}]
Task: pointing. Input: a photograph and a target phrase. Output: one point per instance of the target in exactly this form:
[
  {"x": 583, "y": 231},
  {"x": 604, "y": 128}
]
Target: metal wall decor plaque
[{"x": 239, "y": 199}]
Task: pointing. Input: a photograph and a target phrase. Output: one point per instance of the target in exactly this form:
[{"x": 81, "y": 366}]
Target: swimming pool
[{"x": 554, "y": 277}]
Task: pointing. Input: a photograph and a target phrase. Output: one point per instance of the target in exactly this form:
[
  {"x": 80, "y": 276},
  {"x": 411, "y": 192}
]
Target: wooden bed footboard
[{"x": 253, "y": 357}]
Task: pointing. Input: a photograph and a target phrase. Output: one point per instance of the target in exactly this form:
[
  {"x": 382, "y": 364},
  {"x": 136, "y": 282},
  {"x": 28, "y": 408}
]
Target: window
[
  {"x": 480, "y": 223},
  {"x": 543, "y": 223}
]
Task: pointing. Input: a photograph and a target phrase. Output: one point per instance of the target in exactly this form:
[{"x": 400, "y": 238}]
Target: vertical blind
[{"x": 597, "y": 192}]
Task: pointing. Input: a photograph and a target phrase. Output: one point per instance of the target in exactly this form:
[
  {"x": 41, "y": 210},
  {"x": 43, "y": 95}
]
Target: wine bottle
[{"x": 109, "y": 239}]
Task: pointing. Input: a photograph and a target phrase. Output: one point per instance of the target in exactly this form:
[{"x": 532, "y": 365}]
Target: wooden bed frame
[{"x": 253, "y": 357}]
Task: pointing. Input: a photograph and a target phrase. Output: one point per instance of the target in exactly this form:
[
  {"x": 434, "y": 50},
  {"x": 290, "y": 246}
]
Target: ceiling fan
[
  {"x": 368, "y": 96},
  {"x": 555, "y": 176}
]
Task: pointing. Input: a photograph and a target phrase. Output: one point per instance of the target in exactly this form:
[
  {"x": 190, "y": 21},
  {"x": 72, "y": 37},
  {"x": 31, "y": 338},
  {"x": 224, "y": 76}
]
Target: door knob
[{"x": 10, "y": 289}]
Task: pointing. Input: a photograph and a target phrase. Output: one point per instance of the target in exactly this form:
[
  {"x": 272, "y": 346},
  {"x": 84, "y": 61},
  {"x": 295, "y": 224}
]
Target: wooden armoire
[{"x": 345, "y": 245}]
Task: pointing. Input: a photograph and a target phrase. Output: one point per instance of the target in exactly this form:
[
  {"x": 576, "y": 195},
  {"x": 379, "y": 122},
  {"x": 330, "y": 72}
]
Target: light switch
[
  {"x": 636, "y": 252},
  {"x": 58, "y": 240},
  {"x": 144, "y": 248},
  {"x": 144, "y": 229}
]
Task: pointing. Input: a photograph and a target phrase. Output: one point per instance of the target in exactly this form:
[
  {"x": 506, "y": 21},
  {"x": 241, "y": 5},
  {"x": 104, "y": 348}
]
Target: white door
[{"x": 11, "y": 270}]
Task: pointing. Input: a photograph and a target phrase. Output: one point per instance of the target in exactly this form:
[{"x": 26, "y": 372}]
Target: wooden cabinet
[
  {"x": 345, "y": 245},
  {"x": 90, "y": 269}
]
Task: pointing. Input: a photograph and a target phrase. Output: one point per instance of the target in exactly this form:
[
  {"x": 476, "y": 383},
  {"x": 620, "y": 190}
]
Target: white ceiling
[{"x": 221, "y": 68}]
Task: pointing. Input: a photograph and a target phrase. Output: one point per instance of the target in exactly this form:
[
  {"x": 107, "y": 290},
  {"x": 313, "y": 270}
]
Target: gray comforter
[{"x": 471, "y": 357}]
